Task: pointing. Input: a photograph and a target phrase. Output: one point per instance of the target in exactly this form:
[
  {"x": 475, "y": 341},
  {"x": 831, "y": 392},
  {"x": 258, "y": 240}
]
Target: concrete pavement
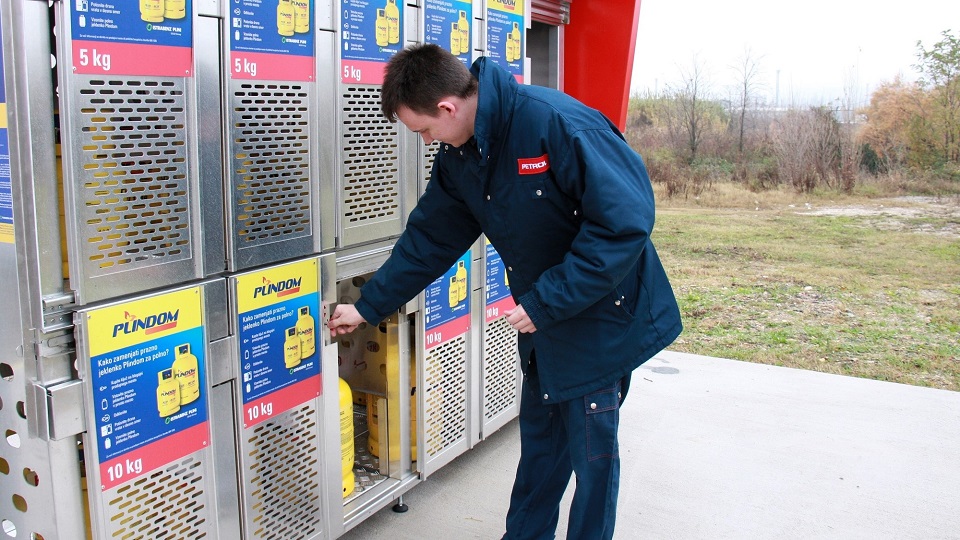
[{"x": 722, "y": 449}]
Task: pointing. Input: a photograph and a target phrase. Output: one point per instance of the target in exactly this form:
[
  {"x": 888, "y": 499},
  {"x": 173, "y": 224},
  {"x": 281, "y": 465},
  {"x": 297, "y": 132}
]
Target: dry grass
[{"x": 850, "y": 285}]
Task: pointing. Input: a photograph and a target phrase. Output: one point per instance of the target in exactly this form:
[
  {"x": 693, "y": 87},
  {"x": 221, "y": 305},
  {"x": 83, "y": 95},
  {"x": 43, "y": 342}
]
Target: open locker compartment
[{"x": 376, "y": 370}]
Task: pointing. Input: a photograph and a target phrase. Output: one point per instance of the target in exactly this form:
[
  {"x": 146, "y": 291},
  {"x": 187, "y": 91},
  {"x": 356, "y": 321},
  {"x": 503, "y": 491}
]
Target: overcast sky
[{"x": 819, "y": 47}]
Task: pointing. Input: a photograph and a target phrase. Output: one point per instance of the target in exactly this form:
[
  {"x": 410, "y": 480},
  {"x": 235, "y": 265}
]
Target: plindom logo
[
  {"x": 150, "y": 325},
  {"x": 535, "y": 165},
  {"x": 284, "y": 288}
]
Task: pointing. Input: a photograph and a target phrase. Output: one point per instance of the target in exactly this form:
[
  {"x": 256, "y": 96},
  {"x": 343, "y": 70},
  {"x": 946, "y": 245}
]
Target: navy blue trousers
[{"x": 576, "y": 436}]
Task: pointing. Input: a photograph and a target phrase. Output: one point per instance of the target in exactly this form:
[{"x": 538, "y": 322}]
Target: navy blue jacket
[{"x": 569, "y": 206}]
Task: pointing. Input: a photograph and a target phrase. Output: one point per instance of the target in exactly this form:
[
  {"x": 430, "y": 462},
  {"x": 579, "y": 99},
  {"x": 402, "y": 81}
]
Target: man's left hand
[{"x": 520, "y": 321}]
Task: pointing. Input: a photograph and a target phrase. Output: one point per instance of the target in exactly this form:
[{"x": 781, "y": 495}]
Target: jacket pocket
[{"x": 627, "y": 293}]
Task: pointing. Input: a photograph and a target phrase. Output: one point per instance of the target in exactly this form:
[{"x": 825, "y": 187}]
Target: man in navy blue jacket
[{"x": 569, "y": 207}]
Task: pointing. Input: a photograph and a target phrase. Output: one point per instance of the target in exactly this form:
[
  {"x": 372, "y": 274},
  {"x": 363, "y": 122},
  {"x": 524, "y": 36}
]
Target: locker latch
[{"x": 58, "y": 410}]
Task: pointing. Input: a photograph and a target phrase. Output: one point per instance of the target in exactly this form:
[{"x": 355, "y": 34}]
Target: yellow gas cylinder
[
  {"x": 373, "y": 425},
  {"x": 152, "y": 10},
  {"x": 168, "y": 393},
  {"x": 285, "y": 16},
  {"x": 453, "y": 295},
  {"x": 291, "y": 349},
  {"x": 175, "y": 9},
  {"x": 301, "y": 16},
  {"x": 461, "y": 281},
  {"x": 186, "y": 371},
  {"x": 393, "y": 21},
  {"x": 515, "y": 35},
  {"x": 382, "y": 33},
  {"x": 464, "y": 27},
  {"x": 346, "y": 437},
  {"x": 454, "y": 39},
  {"x": 305, "y": 328}
]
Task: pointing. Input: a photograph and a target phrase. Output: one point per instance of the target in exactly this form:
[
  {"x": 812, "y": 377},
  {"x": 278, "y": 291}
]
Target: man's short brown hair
[{"x": 421, "y": 76}]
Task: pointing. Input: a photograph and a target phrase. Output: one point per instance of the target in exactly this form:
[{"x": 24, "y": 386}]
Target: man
[{"x": 569, "y": 207}]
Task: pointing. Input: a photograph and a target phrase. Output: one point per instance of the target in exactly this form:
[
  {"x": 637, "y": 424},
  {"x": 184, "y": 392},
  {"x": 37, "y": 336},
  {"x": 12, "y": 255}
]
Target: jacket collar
[{"x": 497, "y": 92}]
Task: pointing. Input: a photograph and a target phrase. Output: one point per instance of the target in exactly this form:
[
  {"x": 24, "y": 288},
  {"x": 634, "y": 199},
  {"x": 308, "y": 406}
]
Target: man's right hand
[{"x": 345, "y": 319}]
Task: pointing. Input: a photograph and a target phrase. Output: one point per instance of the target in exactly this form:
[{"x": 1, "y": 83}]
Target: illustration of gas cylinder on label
[
  {"x": 513, "y": 43},
  {"x": 454, "y": 38},
  {"x": 464, "y": 26},
  {"x": 186, "y": 372},
  {"x": 175, "y": 9},
  {"x": 453, "y": 295},
  {"x": 168, "y": 393},
  {"x": 285, "y": 18},
  {"x": 305, "y": 331},
  {"x": 382, "y": 32},
  {"x": 301, "y": 16},
  {"x": 461, "y": 276},
  {"x": 291, "y": 348},
  {"x": 392, "y": 13},
  {"x": 152, "y": 10}
]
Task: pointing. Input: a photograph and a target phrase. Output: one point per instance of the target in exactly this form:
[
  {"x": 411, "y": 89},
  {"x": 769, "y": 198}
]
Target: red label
[{"x": 535, "y": 165}]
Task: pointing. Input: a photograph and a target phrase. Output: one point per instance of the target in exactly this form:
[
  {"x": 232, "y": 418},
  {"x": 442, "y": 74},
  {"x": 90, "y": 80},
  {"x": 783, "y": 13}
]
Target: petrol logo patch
[{"x": 535, "y": 165}]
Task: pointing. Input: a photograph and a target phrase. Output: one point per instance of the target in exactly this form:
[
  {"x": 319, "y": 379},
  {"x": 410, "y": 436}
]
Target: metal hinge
[{"x": 58, "y": 310}]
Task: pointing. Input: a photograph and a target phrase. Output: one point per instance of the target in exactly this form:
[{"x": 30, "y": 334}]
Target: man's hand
[
  {"x": 520, "y": 321},
  {"x": 345, "y": 319}
]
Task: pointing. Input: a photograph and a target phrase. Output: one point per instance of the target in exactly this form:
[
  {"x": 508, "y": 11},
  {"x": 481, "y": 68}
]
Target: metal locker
[
  {"x": 501, "y": 378},
  {"x": 129, "y": 127},
  {"x": 505, "y": 32},
  {"x": 276, "y": 313},
  {"x": 377, "y": 165},
  {"x": 447, "y": 340},
  {"x": 40, "y": 471},
  {"x": 144, "y": 364},
  {"x": 273, "y": 141}
]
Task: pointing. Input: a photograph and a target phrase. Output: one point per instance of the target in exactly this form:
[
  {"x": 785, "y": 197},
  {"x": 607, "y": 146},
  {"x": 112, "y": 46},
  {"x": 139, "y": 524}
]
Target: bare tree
[
  {"x": 690, "y": 99},
  {"x": 748, "y": 71}
]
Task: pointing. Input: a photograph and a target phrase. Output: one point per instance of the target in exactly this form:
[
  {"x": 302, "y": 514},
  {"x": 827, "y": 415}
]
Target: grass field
[{"x": 856, "y": 286}]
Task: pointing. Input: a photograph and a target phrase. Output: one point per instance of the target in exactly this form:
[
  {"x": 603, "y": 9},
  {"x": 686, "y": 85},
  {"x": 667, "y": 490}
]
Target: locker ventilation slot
[
  {"x": 271, "y": 166},
  {"x": 499, "y": 369},
  {"x": 130, "y": 175},
  {"x": 284, "y": 472},
  {"x": 429, "y": 153},
  {"x": 446, "y": 399},
  {"x": 165, "y": 504},
  {"x": 371, "y": 179}
]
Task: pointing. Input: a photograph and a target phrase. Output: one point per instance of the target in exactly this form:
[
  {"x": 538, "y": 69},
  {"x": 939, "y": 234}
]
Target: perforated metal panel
[
  {"x": 445, "y": 397},
  {"x": 270, "y": 170},
  {"x": 129, "y": 187},
  {"x": 426, "y": 160},
  {"x": 370, "y": 202},
  {"x": 169, "y": 503},
  {"x": 280, "y": 475},
  {"x": 500, "y": 375}
]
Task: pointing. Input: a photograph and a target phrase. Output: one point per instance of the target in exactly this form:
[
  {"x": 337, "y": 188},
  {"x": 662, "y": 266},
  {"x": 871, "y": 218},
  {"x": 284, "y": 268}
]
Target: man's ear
[{"x": 447, "y": 107}]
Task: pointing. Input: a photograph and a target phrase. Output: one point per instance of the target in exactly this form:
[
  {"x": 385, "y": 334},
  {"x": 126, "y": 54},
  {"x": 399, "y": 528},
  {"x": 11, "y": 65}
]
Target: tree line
[{"x": 909, "y": 131}]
